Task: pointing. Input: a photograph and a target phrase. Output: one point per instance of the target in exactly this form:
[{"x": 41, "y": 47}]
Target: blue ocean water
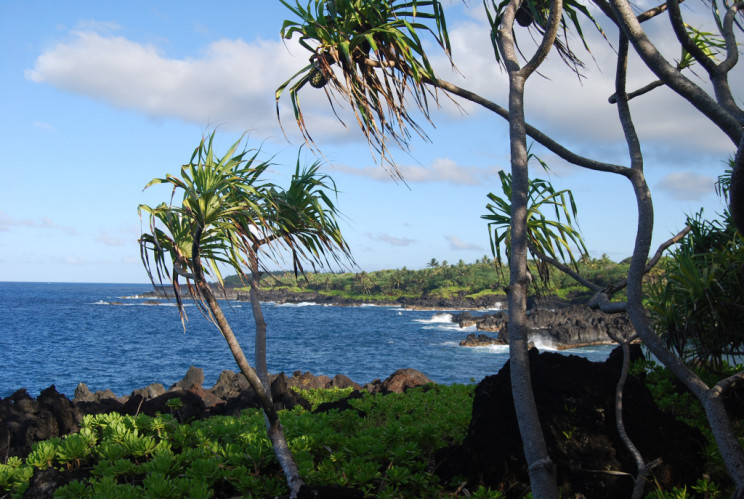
[{"x": 108, "y": 336}]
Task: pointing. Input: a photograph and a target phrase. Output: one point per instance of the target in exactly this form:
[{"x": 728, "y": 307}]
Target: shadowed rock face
[
  {"x": 575, "y": 400},
  {"x": 24, "y": 421}
]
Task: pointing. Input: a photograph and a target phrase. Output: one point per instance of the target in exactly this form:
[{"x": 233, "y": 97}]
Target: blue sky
[{"x": 100, "y": 97}]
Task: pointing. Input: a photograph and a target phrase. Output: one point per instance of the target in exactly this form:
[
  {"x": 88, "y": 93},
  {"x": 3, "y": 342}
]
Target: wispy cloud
[
  {"x": 391, "y": 240},
  {"x": 231, "y": 83},
  {"x": 44, "y": 126},
  {"x": 441, "y": 170},
  {"x": 7, "y": 222},
  {"x": 457, "y": 244},
  {"x": 109, "y": 240},
  {"x": 687, "y": 186}
]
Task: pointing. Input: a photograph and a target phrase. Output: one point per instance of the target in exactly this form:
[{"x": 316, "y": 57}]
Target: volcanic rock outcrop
[
  {"x": 575, "y": 400},
  {"x": 569, "y": 327}
]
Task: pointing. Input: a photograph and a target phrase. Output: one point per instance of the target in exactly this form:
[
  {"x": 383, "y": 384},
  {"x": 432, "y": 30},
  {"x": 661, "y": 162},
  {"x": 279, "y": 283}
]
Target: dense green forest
[{"x": 440, "y": 280}]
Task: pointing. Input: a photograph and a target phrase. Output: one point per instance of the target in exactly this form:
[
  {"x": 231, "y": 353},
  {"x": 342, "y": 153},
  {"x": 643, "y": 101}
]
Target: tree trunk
[
  {"x": 710, "y": 398},
  {"x": 274, "y": 427},
  {"x": 258, "y": 317},
  {"x": 541, "y": 468}
]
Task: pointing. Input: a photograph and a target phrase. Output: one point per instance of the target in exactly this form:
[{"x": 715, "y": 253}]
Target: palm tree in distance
[{"x": 226, "y": 215}]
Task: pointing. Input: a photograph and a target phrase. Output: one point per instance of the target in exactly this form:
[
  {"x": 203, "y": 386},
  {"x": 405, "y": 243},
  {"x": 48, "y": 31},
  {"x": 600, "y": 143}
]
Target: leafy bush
[
  {"x": 384, "y": 447},
  {"x": 695, "y": 305}
]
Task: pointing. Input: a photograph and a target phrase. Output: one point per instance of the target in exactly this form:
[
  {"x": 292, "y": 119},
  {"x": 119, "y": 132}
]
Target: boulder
[
  {"x": 83, "y": 394},
  {"x": 209, "y": 398},
  {"x": 194, "y": 376},
  {"x": 403, "y": 379},
  {"x": 25, "y": 421},
  {"x": 150, "y": 391},
  {"x": 191, "y": 405},
  {"x": 283, "y": 396},
  {"x": 230, "y": 384},
  {"x": 575, "y": 400},
  {"x": 307, "y": 380},
  {"x": 343, "y": 381}
]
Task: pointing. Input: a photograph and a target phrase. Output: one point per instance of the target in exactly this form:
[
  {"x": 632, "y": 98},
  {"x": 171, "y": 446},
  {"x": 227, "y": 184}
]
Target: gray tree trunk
[
  {"x": 541, "y": 468},
  {"x": 274, "y": 427},
  {"x": 258, "y": 318}
]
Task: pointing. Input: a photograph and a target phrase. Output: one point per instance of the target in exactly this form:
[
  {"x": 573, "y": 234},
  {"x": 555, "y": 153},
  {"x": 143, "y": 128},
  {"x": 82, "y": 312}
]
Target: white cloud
[
  {"x": 231, "y": 83},
  {"x": 441, "y": 170},
  {"x": 687, "y": 186},
  {"x": 575, "y": 112},
  {"x": 457, "y": 244},
  {"x": 7, "y": 222},
  {"x": 44, "y": 126},
  {"x": 391, "y": 240},
  {"x": 109, "y": 240}
]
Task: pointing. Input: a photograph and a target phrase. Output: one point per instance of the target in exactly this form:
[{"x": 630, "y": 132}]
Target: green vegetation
[
  {"x": 484, "y": 277},
  {"x": 229, "y": 215},
  {"x": 696, "y": 307},
  {"x": 385, "y": 447}
]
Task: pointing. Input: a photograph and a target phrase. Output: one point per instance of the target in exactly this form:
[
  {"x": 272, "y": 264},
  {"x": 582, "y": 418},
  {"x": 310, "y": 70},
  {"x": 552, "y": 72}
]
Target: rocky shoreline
[
  {"x": 564, "y": 328},
  {"x": 25, "y": 420},
  {"x": 554, "y": 323},
  {"x": 576, "y": 398},
  {"x": 418, "y": 303}
]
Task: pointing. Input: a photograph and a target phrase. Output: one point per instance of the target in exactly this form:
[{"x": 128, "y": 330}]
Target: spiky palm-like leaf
[
  {"x": 235, "y": 214},
  {"x": 533, "y": 16},
  {"x": 553, "y": 237},
  {"x": 382, "y": 64}
]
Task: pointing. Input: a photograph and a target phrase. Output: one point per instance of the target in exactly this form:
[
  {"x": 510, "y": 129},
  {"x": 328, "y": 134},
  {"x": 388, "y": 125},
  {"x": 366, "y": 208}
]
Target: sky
[{"x": 101, "y": 97}]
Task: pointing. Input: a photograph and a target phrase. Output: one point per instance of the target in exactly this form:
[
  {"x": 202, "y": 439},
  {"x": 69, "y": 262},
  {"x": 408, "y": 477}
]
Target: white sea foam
[
  {"x": 300, "y": 304},
  {"x": 449, "y": 344},
  {"x": 437, "y": 319},
  {"x": 493, "y": 349},
  {"x": 544, "y": 344}
]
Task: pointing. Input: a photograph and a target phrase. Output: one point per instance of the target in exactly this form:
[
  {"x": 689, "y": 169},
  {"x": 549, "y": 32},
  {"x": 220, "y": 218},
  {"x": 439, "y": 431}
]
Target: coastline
[{"x": 426, "y": 303}]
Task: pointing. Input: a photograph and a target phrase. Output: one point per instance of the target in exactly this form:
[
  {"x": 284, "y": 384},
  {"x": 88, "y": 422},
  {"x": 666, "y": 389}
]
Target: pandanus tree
[
  {"x": 226, "y": 214},
  {"x": 371, "y": 55},
  {"x": 557, "y": 235},
  {"x": 301, "y": 221}
]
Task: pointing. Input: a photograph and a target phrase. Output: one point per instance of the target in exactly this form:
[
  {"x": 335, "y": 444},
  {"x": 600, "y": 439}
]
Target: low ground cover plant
[{"x": 382, "y": 445}]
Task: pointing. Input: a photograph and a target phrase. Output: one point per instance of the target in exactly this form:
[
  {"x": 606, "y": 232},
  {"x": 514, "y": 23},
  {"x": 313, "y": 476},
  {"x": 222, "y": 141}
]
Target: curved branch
[
  {"x": 623, "y": 110},
  {"x": 548, "y": 39},
  {"x": 656, "y": 62},
  {"x": 637, "y": 93},
  {"x": 601, "y": 298},
  {"x": 678, "y": 25},
  {"x": 732, "y": 52},
  {"x": 533, "y": 132}
]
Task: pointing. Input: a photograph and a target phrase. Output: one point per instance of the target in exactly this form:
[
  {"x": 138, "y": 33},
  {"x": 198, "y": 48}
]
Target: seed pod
[
  {"x": 318, "y": 79},
  {"x": 524, "y": 16}
]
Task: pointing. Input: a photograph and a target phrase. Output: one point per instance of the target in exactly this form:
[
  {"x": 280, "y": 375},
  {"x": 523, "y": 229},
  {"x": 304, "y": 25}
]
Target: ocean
[{"x": 109, "y": 336}]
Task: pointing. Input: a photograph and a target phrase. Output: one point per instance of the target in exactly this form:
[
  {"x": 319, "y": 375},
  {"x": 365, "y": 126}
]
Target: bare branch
[
  {"x": 623, "y": 110},
  {"x": 636, "y": 93},
  {"x": 533, "y": 132},
  {"x": 678, "y": 25},
  {"x": 671, "y": 76}
]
